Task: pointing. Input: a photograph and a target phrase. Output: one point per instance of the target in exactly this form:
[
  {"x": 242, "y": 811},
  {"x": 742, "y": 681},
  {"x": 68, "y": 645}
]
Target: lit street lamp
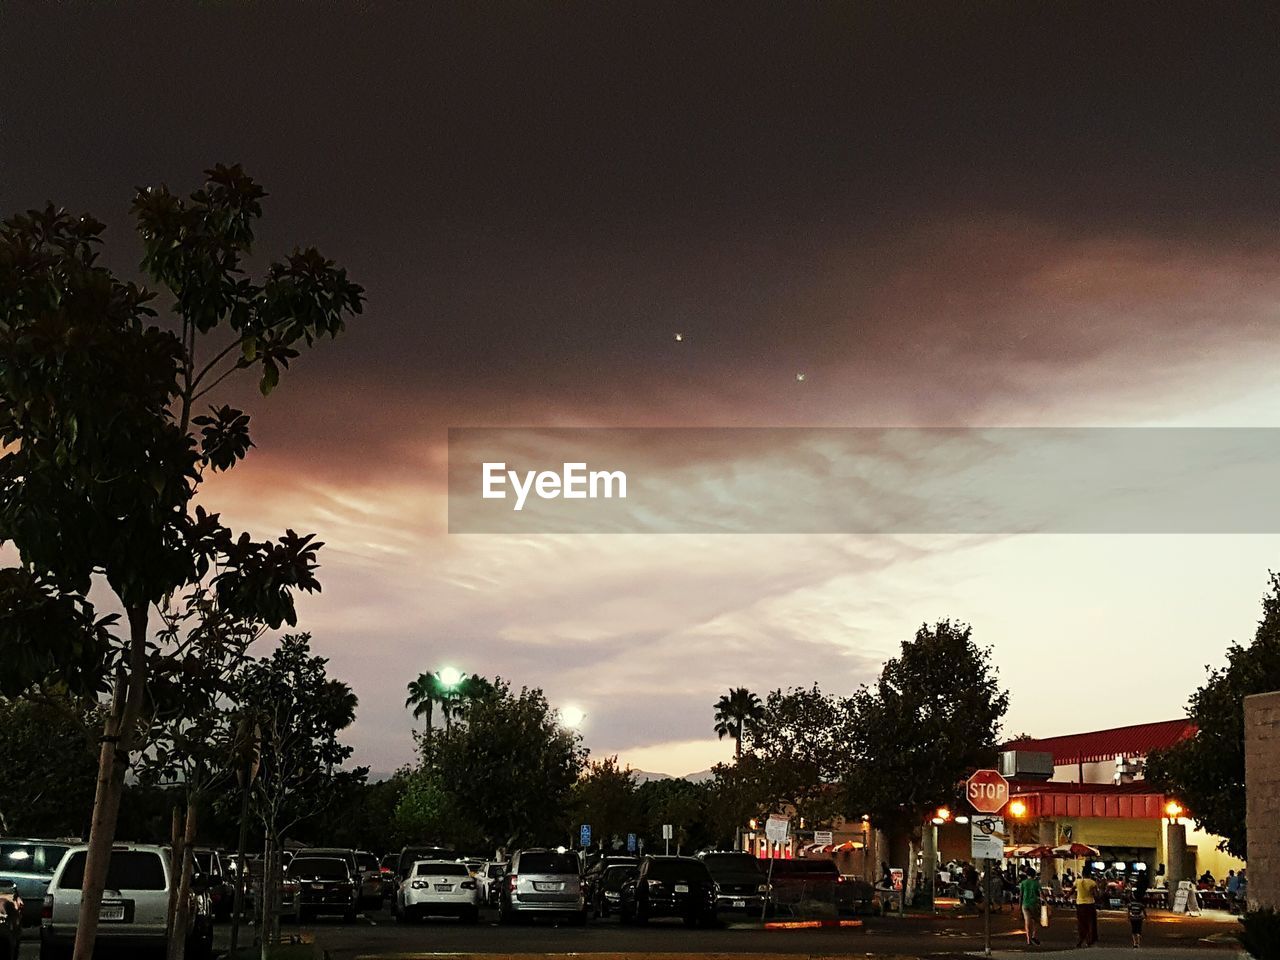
[{"x": 572, "y": 717}]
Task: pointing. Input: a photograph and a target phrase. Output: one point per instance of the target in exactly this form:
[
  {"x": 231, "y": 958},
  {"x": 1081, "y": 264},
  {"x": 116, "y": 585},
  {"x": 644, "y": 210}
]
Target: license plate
[
  {"x": 682, "y": 888},
  {"x": 111, "y": 911},
  {"x": 546, "y": 887},
  {"x": 317, "y": 886},
  {"x": 740, "y": 904},
  {"x": 444, "y": 887}
]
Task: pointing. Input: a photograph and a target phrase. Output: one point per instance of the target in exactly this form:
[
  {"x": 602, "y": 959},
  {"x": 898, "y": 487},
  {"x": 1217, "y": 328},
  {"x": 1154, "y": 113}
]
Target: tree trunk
[
  {"x": 113, "y": 761},
  {"x": 175, "y": 868},
  {"x": 182, "y": 896}
]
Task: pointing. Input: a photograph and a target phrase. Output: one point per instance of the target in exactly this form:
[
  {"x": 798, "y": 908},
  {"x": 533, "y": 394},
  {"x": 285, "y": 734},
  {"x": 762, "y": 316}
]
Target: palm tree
[
  {"x": 737, "y": 710},
  {"x": 424, "y": 693}
]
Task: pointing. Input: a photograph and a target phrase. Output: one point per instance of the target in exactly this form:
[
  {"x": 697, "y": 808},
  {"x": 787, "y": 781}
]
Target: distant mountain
[{"x": 644, "y": 776}]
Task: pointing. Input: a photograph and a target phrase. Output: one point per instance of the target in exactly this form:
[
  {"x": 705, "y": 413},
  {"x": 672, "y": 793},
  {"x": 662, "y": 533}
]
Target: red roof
[{"x": 1101, "y": 745}]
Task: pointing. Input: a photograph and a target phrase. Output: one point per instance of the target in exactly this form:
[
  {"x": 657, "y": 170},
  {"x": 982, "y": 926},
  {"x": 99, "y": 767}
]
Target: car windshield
[
  {"x": 441, "y": 870},
  {"x": 318, "y": 868},
  {"x": 126, "y": 870},
  {"x": 548, "y": 862},
  {"x": 676, "y": 870},
  {"x": 723, "y": 863},
  {"x": 615, "y": 877},
  {"x": 18, "y": 857},
  {"x": 204, "y": 861},
  {"x": 367, "y": 861},
  {"x": 497, "y": 869}
]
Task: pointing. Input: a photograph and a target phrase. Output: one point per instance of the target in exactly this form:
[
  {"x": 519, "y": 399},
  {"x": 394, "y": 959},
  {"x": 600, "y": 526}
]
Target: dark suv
[
  {"x": 670, "y": 887},
  {"x": 325, "y": 885},
  {"x": 30, "y": 864},
  {"x": 740, "y": 883}
]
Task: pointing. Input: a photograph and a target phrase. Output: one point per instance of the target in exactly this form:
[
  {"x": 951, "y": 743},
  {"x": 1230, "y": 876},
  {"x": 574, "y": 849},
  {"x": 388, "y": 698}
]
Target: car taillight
[
  {"x": 46, "y": 908},
  {"x": 511, "y": 882},
  {"x": 468, "y": 884}
]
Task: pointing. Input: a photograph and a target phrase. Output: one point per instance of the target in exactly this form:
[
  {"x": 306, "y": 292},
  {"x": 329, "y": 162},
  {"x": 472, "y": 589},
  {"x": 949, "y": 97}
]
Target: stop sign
[{"x": 987, "y": 791}]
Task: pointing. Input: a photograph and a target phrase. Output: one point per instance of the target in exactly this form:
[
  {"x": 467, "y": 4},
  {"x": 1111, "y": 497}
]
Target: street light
[
  {"x": 450, "y": 677},
  {"x": 1017, "y": 809},
  {"x": 941, "y": 816},
  {"x": 572, "y": 717},
  {"x": 1173, "y": 810}
]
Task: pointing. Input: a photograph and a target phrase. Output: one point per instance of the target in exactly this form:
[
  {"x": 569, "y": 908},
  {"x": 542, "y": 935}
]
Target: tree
[
  {"x": 797, "y": 754},
  {"x": 932, "y": 718},
  {"x": 737, "y": 711},
  {"x": 105, "y": 453},
  {"x": 48, "y": 747},
  {"x": 605, "y": 797},
  {"x": 508, "y": 763},
  {"x": 300, "y": 712},
  {"x": 1206, "y": 772},
  {"x": 679, "y": 802},
  {"x": 425, "y": 691}
]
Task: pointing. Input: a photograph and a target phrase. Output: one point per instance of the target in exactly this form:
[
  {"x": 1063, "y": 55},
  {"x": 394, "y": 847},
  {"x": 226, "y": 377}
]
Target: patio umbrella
[
  {"x": 1032, "y": 850},
  {"x": 1075, "y": 851}
]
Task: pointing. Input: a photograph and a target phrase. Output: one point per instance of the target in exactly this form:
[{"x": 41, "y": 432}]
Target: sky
[{"x": 942, "y": 214}]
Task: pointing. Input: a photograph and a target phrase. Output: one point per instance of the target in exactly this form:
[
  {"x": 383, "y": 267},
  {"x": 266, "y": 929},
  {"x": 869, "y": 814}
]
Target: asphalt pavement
[{"x": 376, "y": 934}]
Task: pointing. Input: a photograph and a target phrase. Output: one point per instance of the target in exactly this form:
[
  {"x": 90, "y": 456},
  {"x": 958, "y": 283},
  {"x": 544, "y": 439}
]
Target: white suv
[{"x": 135, "y": 903}]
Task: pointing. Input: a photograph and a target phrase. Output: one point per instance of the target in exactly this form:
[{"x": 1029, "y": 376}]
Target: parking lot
[{"x": 376, "y": 933}]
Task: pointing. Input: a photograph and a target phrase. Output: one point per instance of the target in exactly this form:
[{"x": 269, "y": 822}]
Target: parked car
[
  {"x": 370, "y": 879},
  {"x": 491, "y": 878},
  {"x": 134, "y": 911},
  {"x": 324, "y": 886},
  {"x": 439, "y": 888},
  {"x": 595, "y": 870},
  {"x": 10, "y": 919},
  {"x": 366, "y": 877},
  {"x": 669, "y": 887},
  {"x": 30, "y": 864},
  {"x": 740, "y": 882},
  {"x": 543, "y": 882},
  {"x": 387, "y": 873},
  {"x": 797, "y": 880},
  {"x": 606, "y": 888},
  {"x": 210, "y": 873}
]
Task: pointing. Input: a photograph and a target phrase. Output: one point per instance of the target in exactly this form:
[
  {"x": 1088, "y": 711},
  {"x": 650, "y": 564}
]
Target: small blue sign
[
  {"x": 584, "y": 834},
  {"x": 631, "y": 843}
]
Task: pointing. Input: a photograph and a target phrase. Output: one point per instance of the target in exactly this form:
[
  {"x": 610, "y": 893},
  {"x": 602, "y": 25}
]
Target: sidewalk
[{"x": 1121, "y": 953}]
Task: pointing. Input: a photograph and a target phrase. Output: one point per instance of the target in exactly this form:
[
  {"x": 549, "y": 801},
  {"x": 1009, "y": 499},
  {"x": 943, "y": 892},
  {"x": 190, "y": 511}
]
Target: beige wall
[{"x": 1262, "y": 790}]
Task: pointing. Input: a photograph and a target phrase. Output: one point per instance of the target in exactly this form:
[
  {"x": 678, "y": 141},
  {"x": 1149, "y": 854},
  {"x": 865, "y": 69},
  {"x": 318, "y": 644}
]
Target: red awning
[{"x": 1091, "y": 800}]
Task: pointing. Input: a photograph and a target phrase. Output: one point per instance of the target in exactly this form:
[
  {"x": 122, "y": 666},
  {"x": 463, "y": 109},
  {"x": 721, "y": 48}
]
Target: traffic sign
[
  {"x": 987, "y": 791},
  {"x": 631, "y": 843},
  {"x": 777, "y": 827},
  {"x": 668, "y": 831},
  {"x": 986, "y": 838},
  {"x": 822, "y": 837},
  {"x": 584, "y": 834}
]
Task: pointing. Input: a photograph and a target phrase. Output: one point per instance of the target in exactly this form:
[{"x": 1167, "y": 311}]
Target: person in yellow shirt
[{"x": 1086, "y": 910}]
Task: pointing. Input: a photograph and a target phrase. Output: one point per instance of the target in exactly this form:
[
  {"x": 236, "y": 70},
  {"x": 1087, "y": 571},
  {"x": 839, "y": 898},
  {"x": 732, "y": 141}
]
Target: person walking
[
  {"x": 1137, "y": 913},
  {"x": 1086, "y": 910},
  {"x": 1029, "y": 894},
  {"x": 1233, "y": 890}
]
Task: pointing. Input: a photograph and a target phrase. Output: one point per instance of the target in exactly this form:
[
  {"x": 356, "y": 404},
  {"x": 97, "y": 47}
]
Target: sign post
[
  {"x": 776, "y": 830},
  {"x": 987, "y": 792},
  {"x": 667, "y": 832}
]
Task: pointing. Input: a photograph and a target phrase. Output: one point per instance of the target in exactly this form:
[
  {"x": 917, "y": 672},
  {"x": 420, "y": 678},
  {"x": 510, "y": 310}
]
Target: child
[{"x": 1137, "y": 913}]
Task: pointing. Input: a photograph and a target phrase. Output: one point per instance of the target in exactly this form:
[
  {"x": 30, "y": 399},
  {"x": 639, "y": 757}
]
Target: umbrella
[
  {"x": 1074, "y": 851},
  {"x": 1031, "y": 850}
]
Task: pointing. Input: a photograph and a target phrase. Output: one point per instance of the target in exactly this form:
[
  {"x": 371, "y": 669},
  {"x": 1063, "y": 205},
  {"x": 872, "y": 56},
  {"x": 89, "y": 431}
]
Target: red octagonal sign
[{"x": 987, "y": 791}]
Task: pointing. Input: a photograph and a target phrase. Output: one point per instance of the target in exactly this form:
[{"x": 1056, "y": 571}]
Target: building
[{"x": 1097, "y": 795}]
